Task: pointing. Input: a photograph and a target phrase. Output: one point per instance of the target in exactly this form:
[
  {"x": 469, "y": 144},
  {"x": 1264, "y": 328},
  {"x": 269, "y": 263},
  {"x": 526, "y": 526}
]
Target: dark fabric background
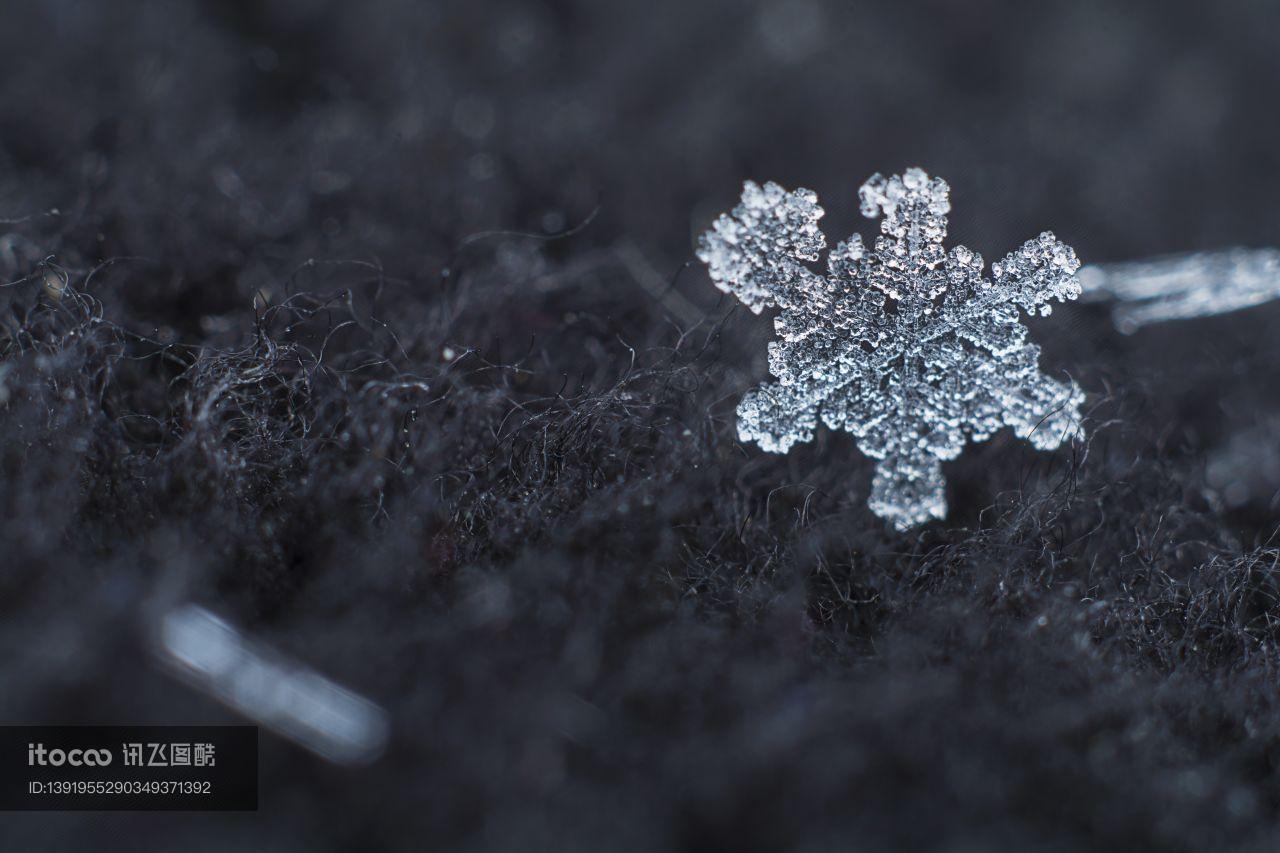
[{"x": 383, "y": 338}]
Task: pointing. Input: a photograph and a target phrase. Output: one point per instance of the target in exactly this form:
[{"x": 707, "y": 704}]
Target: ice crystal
[
  {"x": 907, "y": 346},
  {"x": 1179, "y": 287}
]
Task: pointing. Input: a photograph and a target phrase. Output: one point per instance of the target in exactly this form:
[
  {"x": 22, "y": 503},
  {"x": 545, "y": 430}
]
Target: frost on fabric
[{"x": 907, "y": 346}]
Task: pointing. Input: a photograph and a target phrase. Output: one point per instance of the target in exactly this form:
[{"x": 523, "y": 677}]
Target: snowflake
[{"x": 909, "y": 347}]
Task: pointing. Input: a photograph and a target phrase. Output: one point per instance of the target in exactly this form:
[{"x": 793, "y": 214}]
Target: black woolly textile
[{"x": 375, "y": 328}]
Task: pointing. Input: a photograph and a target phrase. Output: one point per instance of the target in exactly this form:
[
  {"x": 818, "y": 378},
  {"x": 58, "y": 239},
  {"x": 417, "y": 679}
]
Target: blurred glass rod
[{"x": 268, "y": 688}]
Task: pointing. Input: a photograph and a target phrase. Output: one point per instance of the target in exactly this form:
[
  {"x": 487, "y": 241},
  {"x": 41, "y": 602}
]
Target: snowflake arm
[
  {"x": 915, "y": 211},
  {"x": 776, "y": 416},
  {"x": 909, "y": 347},
  {"x": 1043, "y": 270},
  {"x": 755, "y": 252},
  {"x": 909, "y": 490}
]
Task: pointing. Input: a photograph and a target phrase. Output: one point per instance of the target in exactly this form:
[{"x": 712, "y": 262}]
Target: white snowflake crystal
[{"x": 908, "y": 347}]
